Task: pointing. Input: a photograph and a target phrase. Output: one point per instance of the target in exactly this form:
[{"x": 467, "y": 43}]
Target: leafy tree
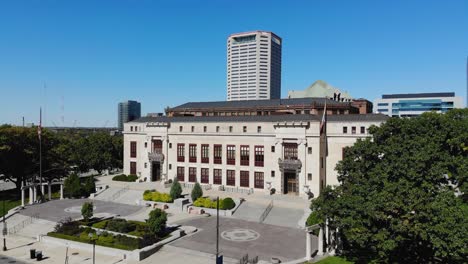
[
  {"x": 87, "y": 211},
  {"x": 72, "y": 186},
  {"x": 176, "y": 189},
  {"x": 197, "y": 192},
  {"x": 157, "y": 221},
  {"x": 402, "y": 197},
  {"x": 89, "y": 186}
]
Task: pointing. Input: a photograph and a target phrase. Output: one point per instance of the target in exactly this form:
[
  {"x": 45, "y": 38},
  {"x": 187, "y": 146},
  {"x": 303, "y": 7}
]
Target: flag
[
  {"x": 39, "y": 128},
  {"x": 324, "y": 118}
]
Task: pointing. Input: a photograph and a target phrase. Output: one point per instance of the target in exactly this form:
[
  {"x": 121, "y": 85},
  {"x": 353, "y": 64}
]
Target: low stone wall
[
  {"x": 137, "y": 254},
  {"x": 11, "y": 212},
  {"x": 212, "y": 211}
]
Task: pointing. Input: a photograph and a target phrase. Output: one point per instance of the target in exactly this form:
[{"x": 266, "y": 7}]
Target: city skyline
[{"x": 103, "y": 53}]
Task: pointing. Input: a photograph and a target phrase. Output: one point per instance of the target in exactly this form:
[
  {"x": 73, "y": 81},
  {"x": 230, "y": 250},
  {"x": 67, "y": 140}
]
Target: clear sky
[{"x": 92, "y": 54}]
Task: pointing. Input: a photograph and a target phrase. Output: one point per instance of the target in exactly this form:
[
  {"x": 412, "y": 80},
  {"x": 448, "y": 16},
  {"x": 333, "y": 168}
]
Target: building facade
[
  {"x": 408, "y": 105},
  {"x": 244, "y": 153},
  {"x": 253, "y": 66},
  {"x": 128, "y": 111}
]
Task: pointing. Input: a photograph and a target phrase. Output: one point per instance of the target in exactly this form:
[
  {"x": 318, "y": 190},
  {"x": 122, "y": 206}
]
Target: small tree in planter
[
  {"x": 72, "y": 186},
  {"x": 89, "y": 186},
  {"x": 87, "y": 211},
  {"x": 157, "y": 221},
  {"x": 197, "y": 192},
  {"x": 176, "y": 190}
]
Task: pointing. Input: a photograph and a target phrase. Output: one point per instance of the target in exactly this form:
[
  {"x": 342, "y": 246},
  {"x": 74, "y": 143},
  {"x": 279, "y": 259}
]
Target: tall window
[
  {"x": 363, "y": 130},
  {"x": 181, "y": 152},
  {"x": 244, "y": 155},
  {"x": 192, "y": 175},
  {"x": 259, "y": 129},
  {"x": 345, "y": 130},
  {"x": 353, "y": 130},
  {"x": 205, "y": 177},
  {"x": 259, "y": 156},
  {"x": 205, "y": 153},
  {"x": 193, "y": 153},
  {"x": 231, "y": 154},
  {"x": 231, "y": 177},
  {"x": 290, "y": 151},
  {"x": 217, "y": 154},
  {"x": 258, "y": 180},
  {"x": 133, "y": 149},
  {"x": 181, "y": 174},
  {"x": 244, "y": 179},
  {"x": 217, "y": 176},
  {"x": 157, "y": 146},
  {"x": 133, "y": 167}
]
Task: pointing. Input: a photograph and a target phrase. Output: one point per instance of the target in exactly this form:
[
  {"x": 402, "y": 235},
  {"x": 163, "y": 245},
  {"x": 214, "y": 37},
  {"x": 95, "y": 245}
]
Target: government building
[{"x": 289, "y": 145}]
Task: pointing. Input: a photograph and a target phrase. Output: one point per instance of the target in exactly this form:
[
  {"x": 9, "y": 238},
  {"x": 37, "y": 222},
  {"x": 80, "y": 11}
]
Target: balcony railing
[
  {"x": 244, "y": 162},
  {"x": 217, "y": 160},
  {"x": 289, "y": 164},
  {"x": 259, "y": 163},
  {"x": 205, "y": 160},
  {"x": 155, "y": 156},
  {"x": 180, "y": 158},
  {"x": 192, "y": 159}
]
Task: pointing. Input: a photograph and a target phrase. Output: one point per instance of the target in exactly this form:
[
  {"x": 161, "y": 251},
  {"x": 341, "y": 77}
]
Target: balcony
[
  {"x": 156, "y": 156},
  {"x": 289, "y": 164}
]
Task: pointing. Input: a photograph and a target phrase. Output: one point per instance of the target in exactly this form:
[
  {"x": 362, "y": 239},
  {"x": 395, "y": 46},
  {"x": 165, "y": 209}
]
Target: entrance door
[
  {"x": 290, "y": 183},
  {"x": 156, "y": 173}
]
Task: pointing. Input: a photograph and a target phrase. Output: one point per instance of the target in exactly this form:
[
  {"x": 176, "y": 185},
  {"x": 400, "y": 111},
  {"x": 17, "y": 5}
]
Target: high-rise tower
[
  {"x": 253, "y": 66},
  {"x": 128, "y": 111}
]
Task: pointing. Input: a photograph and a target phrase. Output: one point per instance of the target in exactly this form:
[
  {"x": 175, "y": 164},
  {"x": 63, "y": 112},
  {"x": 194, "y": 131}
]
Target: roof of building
[
  {"x": 256, "y": 103},
  {"x": 319, "y": 89},
  {"x": 417, "y": 95},
  {"x": 261, "y": 118}
]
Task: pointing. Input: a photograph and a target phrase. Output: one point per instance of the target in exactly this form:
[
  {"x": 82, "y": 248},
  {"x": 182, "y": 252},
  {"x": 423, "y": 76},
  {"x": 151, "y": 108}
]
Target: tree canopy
[{"x": 402, "y": 197}]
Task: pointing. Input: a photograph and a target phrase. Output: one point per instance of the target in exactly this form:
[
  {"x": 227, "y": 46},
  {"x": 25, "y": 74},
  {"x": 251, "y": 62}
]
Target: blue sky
[{"x": 93, "y": 54}]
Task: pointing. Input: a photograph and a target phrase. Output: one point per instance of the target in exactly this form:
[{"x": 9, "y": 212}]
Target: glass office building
[
  {"x": 407, "y": 105},
  {"x": 128, "y": 111}
]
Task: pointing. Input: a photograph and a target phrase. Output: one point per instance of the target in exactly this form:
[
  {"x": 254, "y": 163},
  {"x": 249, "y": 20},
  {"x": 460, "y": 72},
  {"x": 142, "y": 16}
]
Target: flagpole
[{"x": 40, "y": 151}]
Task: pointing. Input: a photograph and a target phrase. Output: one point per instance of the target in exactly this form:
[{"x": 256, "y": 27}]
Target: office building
[
  {"x": 239, "y": 152},
  {"x": 253, "y": 66},
  {"x": 408, "y": 105},
  {"x": 128, "y": 111}
]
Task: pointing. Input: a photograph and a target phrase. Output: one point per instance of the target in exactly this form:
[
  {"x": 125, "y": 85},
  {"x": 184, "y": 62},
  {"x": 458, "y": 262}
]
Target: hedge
[
  {"x": 157, "y": 197},
  {"x": 119, "y": 241},
  {"x": 224, "y": 204},
  {"x": 125, "y": 178}
]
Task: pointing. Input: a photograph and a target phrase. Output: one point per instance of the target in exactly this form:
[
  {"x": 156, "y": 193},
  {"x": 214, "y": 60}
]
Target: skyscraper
[
  {"x": 253, "y": 66},
  {"x": 128, "y": 111}
]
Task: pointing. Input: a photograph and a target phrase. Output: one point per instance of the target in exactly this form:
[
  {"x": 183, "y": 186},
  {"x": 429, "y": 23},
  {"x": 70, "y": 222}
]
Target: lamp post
[
  {"x": 4, "y": 231},
  {"x": 92, "y": 238}
]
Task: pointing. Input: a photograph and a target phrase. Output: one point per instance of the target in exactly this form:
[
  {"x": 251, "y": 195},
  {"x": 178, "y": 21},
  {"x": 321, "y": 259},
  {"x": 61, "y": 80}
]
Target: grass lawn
[
  {"x": 9, "y": 204},
  {"x": 333, "y": 260}
]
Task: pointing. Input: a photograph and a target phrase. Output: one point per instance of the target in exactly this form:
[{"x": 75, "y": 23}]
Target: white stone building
[{"x": 248, "y": 153}]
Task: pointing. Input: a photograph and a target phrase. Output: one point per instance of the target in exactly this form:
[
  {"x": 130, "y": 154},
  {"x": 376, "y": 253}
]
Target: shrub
[
  {"x": 87, "y": 211},
  {"x": 197, "y": 192},
  {"x": 101, "y": 224},
  {"x": 176, "y": 189},
  {"x": 157, "y": 197},
  {"x": 120, "y": 225},
  {"x": 157, "y": 221},
  {"x": 89, "y": 186},
  {"x": 125, "y": 178},
  {"x": 67, "y": 227},
  {"x": 228, "y": 203}
]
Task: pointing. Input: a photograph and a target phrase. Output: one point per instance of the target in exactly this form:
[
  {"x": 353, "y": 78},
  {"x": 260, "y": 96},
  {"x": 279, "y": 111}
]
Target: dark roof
[
  {"x": 357, "y": 117},
  {"x": 256, "y": 103},
  {"x": 417, "y": 95},
  {"x": 262, "y": 118}
]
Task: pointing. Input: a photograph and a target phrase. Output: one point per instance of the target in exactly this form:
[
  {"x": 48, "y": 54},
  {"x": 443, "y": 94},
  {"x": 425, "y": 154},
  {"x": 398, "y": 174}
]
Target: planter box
[{"x": 212, "y": 211}]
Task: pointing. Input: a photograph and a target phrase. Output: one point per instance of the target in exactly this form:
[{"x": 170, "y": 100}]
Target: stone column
[
  {"x": 31, "y": 198},
  {"x": 42, "y": 190},
  {"x": 35, "y": 193},
  {"x": 49, "y": 191},
  {"x": 22, "y": 196},
  {"x": 327, "y": 234},
  {"x": 61, "y": 191},
  {"x": 320, "y": 243},
  {"x": 308, "y": 245}
]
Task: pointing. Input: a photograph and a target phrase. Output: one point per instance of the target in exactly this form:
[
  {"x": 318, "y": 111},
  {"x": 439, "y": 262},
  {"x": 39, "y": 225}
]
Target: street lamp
[
  {"x": 92, "y": 238},
  {"x": 5, "y": 230}
]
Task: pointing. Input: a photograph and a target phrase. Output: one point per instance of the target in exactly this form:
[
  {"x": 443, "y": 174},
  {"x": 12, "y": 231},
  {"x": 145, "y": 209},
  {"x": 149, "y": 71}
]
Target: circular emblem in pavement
[
  {"x": 240, "y": 235},
  {"x": 75, "y": 209}
]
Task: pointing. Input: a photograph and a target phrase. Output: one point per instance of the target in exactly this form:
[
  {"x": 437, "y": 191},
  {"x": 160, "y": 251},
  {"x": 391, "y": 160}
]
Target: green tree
[
  {"x": 72, "y": 186},
  {"x": 176, "y": 189},
  {"x": 402, "y": 197},
  {"x": 197, "y": 192},
  {"x": 87, "y": 210},
  {"x": 157, "y": 221},
  {"x": 89, "y": 186}
]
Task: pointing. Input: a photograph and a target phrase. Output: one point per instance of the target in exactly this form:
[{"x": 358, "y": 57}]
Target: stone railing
[
  {"x": 156, "y": 156},
  {"x": 289, "y": 164}
]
